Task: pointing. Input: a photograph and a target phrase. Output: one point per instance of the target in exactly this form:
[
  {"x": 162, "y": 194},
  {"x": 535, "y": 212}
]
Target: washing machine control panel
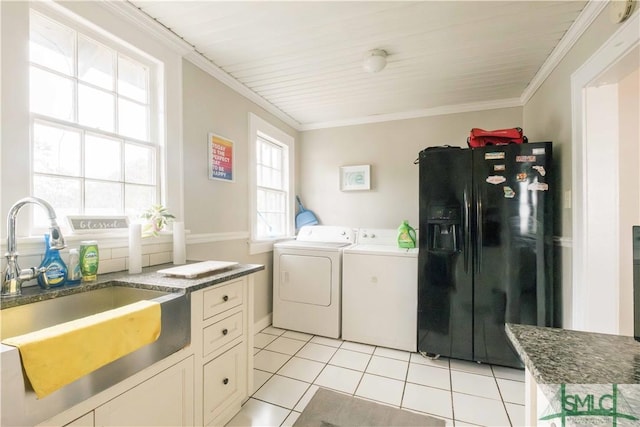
[{"x": 326, "y": 233}]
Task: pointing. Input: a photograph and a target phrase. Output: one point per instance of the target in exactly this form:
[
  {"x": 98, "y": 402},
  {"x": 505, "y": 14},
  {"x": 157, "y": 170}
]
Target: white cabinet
[
  {"x": 165, "y": 399},
  {"x": 84, "y": 421},
  {"x": 221, "y": 324},
  {"x": 224, "y": 382},
  {"x": 203, "y": 384},
  {"x": 162, "y": 396}
]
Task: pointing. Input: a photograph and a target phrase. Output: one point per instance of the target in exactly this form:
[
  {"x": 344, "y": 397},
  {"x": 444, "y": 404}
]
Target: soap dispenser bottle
[
  {"x": 406, "y": 236},
  {"x": 55, "y": 272}
]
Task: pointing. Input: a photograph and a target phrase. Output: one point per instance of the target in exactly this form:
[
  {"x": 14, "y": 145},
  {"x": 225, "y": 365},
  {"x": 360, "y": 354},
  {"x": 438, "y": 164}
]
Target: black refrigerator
[{"x": 485, "y": 258}]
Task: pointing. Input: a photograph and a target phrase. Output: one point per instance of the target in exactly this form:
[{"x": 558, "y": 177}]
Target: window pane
[
  {"x": 271, "y": 215},
  {"x": 139, "y": 164},
  {"x": 95, "y": 108},
  {"x": 133, "y": 120},
  {"x": 56, "y": 150},
  {"x": 137, "y": 198},
  {"x": 103, "y": 158},
  {"x": 102, "y": 198},
  {"x": 95, "y": 63},
  {"x": 132, "y": 79},
  {"x": 51, "y": 44},
  {"x": 50, "y": 94},
  {"x": 64, "y": 194}
]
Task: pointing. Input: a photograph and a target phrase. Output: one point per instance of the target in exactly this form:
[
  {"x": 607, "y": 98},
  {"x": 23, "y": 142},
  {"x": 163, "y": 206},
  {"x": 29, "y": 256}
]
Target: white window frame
[
  {"x": 99, "y": 17},
  {"x": 155, "y": 117},
  {"x": 258, "y": 125}
]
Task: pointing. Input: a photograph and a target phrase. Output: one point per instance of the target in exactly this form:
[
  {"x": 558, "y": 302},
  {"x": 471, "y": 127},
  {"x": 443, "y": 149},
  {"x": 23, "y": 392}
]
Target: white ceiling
[{"x": 304, "y": 58}]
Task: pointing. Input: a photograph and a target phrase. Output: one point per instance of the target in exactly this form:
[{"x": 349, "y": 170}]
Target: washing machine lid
[
  {"x": 322, "y": 246},
  {"x": 382, "y": 250}
]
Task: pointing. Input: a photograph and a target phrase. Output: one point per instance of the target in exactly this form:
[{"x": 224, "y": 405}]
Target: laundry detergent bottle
[
  {"x": 406, "y": 236},
  {"x": 55, "y": 273}
]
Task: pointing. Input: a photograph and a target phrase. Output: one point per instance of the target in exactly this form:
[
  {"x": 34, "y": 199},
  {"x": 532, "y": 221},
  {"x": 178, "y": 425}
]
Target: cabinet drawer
[
  {"x": 222, "y": 298},
  {"x": 221, "y": 333},
  {"x": 223, "y": 382}
]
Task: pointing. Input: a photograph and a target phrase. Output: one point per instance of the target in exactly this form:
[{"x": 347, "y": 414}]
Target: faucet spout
[{"x": 13, "y": 276}]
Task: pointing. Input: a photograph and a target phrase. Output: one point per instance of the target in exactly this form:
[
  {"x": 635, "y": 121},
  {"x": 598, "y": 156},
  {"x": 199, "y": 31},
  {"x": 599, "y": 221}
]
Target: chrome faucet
[{"x": 13, "y": 276}]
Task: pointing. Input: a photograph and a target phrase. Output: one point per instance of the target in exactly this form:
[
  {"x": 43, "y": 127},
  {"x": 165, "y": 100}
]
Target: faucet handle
[{"x": 31, "y": 273}]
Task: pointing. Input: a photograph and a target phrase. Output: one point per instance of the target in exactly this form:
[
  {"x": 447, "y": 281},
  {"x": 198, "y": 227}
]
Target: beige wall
[
  {"x": 629, "y": 134},
  {"x": 547, "y": 115},
  {"x": 217, "y": 206},
  {"x": 390, "y": 148}
]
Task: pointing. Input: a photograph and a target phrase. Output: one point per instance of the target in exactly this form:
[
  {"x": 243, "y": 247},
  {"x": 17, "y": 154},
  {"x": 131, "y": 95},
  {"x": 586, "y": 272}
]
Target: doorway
[{"x": 606, "y": 177}]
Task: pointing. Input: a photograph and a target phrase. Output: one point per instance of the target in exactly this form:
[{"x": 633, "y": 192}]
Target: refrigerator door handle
[
  {"x": 479, "y": 231},
  {"x": 467, "y": 228}
]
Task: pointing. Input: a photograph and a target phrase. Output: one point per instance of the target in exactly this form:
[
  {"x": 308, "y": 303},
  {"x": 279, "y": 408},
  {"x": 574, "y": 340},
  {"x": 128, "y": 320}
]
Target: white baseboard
[{"x": 262, "y": 323}]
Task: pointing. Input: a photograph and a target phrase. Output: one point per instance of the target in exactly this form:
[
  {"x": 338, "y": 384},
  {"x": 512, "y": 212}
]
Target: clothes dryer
[
  {"x": 380, "y": 291},
  {"x": 307, "y": 280}
]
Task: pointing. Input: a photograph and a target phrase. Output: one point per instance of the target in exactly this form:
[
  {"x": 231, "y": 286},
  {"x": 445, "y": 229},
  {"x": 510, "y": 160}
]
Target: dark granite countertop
[
  {"x": 562, "y": 356},
  {"x": 148, "y": 279}
]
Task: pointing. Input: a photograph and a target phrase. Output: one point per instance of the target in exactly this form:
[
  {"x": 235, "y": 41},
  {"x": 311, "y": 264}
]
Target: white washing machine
[
  {"x": 307, "y": 277},
  {"x": 380, "y": 291}
]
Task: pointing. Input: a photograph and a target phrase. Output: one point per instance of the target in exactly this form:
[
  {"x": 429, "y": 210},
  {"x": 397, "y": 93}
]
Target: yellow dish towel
[{"x": 56, "y": 356}]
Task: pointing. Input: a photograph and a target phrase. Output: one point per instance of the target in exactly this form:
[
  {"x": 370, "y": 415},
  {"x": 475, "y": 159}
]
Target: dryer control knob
[{"x": 373, "y": 236}]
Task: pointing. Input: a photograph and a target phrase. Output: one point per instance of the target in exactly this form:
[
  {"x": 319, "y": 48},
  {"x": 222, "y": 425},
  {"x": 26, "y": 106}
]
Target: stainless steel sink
[
  {"x": 42, "y": 314},
  {"x": 19, "y": 403}
]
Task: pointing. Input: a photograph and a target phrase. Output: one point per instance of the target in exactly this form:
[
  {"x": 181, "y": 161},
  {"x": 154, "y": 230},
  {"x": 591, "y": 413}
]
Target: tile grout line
[{"x": 368, "y": 364}]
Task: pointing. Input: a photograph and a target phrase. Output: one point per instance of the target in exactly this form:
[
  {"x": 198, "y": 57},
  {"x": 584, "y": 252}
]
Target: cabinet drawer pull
[
  {"x": 225, "y": 298},
  {"x": 225, "y": 331},
  {"x": 225, "y": 381}
]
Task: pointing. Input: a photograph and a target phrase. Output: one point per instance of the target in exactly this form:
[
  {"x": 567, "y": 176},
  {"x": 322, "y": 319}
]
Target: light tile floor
[{"x": 290, "y": 366}]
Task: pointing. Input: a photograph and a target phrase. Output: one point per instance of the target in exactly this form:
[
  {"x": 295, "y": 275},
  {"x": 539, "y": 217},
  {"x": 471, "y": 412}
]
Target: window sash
[
  {"x": 272, "y": 200},
  {"x": 126, "y": 97}
]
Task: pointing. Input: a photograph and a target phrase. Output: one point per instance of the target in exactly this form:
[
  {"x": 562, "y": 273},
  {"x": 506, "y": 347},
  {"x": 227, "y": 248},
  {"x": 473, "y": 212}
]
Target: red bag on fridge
[{"x": 481, "y": 137}]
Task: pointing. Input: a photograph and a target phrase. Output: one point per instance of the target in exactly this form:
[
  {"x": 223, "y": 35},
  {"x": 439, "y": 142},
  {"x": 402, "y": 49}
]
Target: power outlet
[{"x": 566, "y": 203}]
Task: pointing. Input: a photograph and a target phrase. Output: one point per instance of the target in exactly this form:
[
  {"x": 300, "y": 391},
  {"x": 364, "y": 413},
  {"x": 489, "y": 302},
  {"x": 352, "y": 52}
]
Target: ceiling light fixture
[{"x": 374, "y": 60}]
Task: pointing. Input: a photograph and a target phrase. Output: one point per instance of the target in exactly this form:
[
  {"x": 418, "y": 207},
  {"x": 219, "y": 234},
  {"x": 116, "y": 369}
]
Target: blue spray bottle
[{"x": 56, "y": 270}]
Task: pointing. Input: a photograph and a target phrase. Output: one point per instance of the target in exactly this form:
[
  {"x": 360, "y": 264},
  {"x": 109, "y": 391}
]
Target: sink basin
[
  {"x": 42, "y": 314},
  {"x": 19, "y": 405}
]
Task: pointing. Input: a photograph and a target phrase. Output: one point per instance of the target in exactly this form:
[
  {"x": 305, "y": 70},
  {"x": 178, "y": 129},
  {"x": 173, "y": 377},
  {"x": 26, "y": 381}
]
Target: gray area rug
[{"x": 331, "y": 409}]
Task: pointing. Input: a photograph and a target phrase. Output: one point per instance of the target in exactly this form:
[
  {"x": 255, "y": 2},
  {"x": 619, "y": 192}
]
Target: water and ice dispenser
[{"x": 445, "y": 229}]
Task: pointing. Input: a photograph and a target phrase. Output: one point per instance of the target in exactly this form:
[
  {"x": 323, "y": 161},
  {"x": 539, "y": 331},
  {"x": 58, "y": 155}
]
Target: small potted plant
[{"x": 157, "y": 217}]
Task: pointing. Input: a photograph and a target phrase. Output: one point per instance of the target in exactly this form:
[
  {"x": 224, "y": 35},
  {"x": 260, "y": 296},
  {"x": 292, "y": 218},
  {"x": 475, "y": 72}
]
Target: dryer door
[{"x": 305, "y": 279}]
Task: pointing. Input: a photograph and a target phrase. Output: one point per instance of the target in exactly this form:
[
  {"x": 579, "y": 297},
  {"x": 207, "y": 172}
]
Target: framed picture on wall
[
  {"x": 353, "y": 178},
  {"x": 220, "y": 158}
]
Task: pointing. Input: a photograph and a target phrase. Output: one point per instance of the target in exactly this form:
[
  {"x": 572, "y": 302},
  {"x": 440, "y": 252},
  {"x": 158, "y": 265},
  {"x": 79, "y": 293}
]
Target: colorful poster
[{"x": 220, "y": 158}]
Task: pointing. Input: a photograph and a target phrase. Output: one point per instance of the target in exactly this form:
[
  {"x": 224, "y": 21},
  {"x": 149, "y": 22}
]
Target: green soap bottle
[{"x": 406, "y": 236}]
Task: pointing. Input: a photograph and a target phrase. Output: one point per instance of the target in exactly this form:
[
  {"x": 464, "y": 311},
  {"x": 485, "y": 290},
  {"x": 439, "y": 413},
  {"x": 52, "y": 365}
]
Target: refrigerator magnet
[
  {"x": 540, "y": 170},
  {"x": 538, "y": 151},
  {"x": 497, "y": 155},
  {"x": 538, "y": 186},
  {"x": 499, "y": 168},
  {"x": 521, "y": 177},
  {"x": 525, "y": 159},
  {"x": 509, "y": 193},
  {"x": 496, "y": 179}
]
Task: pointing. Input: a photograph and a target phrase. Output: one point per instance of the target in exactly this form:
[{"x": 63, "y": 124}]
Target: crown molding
[
  {"x": 199, "y": 60},
  {"x": 189, "y": 52},
  {"x": 427, "y": 112},
  {"x": 156, "y": 29},
  {"x": 573, "y": 34},
  {"x": 149, "y": 25}
]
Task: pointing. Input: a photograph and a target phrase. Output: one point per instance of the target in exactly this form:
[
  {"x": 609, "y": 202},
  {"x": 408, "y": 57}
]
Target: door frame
[{"x": 622, "y": 42}]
